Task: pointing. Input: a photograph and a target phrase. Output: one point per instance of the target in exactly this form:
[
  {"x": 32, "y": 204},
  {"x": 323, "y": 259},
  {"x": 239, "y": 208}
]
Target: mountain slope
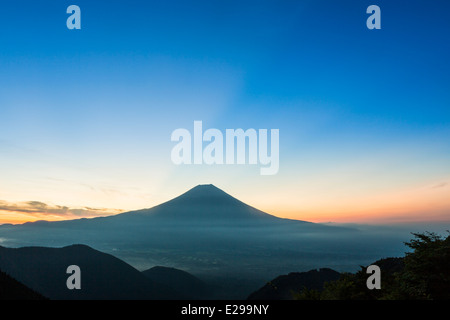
[
  {"x": 204, "y": 204},
  {"x": 11, "y": 289},
  {"x": 206, "y": 230},
  {"x": 203, "y": 213},
  {"x": 178, "y": 280},
  {"x": 102, "y": 276},
  {"x": 283, "y": 287}
]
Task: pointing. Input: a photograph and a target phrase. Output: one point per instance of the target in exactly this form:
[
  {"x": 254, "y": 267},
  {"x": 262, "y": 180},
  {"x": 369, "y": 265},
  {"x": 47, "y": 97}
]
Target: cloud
[
  {"x": 39, "y": 209},
  {"x": 439, "y": 185}
]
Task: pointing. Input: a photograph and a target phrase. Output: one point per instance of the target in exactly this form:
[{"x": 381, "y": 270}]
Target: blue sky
[{"x": 363, "y": 114}]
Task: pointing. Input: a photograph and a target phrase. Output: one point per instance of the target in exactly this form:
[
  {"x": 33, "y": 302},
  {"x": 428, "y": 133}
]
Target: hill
[
  {"x": 178, "y": 280},
  {"x": 225, "y": 241},
  {"x": 11, "y": 289},
  {"x": 102, "y": 276},
  {"x": 422, "y": 274},
  {"x": 286, "y": 286},
  {"x": 204, "y": 219}
]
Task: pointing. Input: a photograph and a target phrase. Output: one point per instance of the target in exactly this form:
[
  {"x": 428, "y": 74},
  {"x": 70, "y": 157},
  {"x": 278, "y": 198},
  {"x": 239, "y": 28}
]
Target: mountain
[
  {"x": 103, "y": 276},
  {"x": 11, "y": 289},
  {"x": 204, "y": 205},
  {"x": 283, "y": 287},
  {"x": 225, "y": 242},
  {"x": 178, "y": 280},
  {"x": 203, "y": 214}
]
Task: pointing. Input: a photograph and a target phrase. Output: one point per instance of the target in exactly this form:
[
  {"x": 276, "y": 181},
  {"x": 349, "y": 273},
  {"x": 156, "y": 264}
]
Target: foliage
[
  {"x": 423, "y": 273},
  {"x": 427, "y": 268}
]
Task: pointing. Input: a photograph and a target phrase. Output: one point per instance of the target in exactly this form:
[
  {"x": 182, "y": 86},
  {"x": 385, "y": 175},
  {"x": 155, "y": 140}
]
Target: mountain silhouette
[
  {"x": 220, "y": 238},
  {"x": 201, "y": 216},
  {"x": 204, "y": 204},
  {"x": 11, "y": 289},
  {"x": 179, "y": 281},
  {"x": 103, "y": 276},
  {"x": 283, "y": 287}
]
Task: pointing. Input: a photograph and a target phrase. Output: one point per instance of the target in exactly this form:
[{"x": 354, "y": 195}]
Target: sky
[{"x": 363, "y": 115}]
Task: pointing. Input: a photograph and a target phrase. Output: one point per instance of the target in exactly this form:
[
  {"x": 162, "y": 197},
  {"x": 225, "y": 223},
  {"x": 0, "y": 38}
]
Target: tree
[
  {"x": 427, "y": 269},
  {"x": 424, "y": 273}
]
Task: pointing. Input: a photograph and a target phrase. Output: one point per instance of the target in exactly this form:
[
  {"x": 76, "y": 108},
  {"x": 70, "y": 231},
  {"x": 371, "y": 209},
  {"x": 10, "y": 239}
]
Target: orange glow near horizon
[
  {"x": 20, "y": 217},
  {"x": 430, "y": 204},
  {"x": 367, "y": 217},
  {"x": 22, "y": 212}
]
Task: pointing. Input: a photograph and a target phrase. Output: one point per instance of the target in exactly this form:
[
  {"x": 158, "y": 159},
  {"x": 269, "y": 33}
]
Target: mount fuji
[{"x": 207, "y": 232}]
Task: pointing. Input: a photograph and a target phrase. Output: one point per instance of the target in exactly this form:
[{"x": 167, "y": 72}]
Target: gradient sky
[{"x": 86, "y": 115}]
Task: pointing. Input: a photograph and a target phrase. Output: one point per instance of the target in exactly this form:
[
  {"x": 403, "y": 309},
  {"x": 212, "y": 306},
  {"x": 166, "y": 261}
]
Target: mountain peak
[
  {"x": 206, "y": 194},
  {"x": 204, "y": 202},
  {"x": 205, "y": 190},
  {"x": 204, "y": 187}
]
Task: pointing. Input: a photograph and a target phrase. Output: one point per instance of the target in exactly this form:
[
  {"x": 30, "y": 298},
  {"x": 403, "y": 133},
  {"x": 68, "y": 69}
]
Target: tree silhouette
[
  {"x": 427, "y": 269},
  {"x": 423, "y": 274}
]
